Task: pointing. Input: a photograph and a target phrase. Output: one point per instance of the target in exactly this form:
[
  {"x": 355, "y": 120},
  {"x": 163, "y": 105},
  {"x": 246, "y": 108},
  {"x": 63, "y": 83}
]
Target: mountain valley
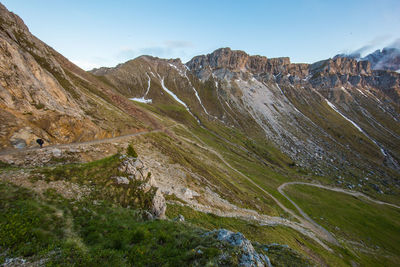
[{"x": 229, "y": 159}]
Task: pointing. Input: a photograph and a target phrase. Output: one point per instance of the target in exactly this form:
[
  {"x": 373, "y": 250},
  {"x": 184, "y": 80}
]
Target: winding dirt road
[
  {"x": 92, "y": 142},
  {"x": 336, "y": 189},
  {"x": 305, "y": 221}
]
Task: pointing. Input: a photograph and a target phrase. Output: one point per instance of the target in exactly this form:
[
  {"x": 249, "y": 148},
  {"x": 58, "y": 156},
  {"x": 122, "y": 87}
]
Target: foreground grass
[
  {"x": 342, "y": 256},
  {"x": 64, "y": 233},
  {"x": 371, "y": 230},
  {"x": 107, "y": 227}
]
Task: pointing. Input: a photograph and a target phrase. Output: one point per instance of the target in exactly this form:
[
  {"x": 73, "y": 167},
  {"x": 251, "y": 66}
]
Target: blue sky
[{"x": 95, "y": 33}]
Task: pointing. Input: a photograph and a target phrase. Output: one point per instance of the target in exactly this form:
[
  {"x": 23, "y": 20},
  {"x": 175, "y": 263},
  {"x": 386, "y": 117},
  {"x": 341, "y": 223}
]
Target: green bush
[{"x": 130, "y": 151}]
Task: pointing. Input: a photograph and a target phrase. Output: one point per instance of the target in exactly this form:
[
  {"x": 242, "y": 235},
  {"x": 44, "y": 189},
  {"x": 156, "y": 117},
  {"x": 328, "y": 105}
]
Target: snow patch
[
  {"x": 307, "y": 77},
  {"x": 174, "y": 96},
  {"x": 197, "y": 95},
  {"x": 341, "y": 114},
  {"x": 344, "y": 90},
  {"x": 357, "y": 127},
  {"x": 198, "y": 98},
  {"x": 182, "y": 73},
  {"x": 148, "y": 85},
  {"x": 361, "y": 92},
  {"x": 143, "y": 98}
]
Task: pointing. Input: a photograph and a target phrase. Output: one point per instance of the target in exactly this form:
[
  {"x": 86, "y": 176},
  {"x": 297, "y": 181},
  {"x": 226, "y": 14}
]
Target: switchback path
[
  {"x": 305, "y": 222},
  {"x": 336, "y": 189}
]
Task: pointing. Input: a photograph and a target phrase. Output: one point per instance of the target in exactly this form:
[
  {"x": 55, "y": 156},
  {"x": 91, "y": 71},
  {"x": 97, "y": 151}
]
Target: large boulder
[
  {"x": 133, "y": 169},
  {"x": 159, "y": 205},
  {"x": 249, "y": 256}
]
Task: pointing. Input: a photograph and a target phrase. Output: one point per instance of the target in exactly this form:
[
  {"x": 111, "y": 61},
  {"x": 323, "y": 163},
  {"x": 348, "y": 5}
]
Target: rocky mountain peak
[
  {"x": 237, "y": 60},
  {"x": 11, "y": 19},
  {"x": 386, "y": 59},
  {"x": 342, "y": 65}
]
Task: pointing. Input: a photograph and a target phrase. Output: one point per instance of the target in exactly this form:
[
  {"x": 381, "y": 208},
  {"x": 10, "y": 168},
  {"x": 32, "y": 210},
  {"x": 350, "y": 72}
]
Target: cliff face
[
  {"x": 300, "y": 106},
  {"x": 336, "y": 72},
  {"x": 331, "y": 113},
  {"x": 43, "y": 95},
  {"x": 236, "y": 60},
  {"x": 386, "y": 59}
]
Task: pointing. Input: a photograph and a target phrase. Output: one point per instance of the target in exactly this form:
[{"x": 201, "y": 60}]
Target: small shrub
[
  {"x": 138, "y": 236},
  {"x": 130, "y": 151},
  {"x": 39, "y": 105},
  {"x": 4, "y": 165}
]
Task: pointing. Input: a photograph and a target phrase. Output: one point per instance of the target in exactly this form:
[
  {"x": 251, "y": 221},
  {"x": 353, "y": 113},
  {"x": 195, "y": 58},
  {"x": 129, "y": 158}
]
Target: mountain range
[
  {"x": 335, "y": 121},
  {"x": 386, "y": 59}
]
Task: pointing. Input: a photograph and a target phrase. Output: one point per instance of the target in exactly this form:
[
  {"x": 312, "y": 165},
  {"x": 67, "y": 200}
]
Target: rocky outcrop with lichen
[{"x": 134, "y": 173}]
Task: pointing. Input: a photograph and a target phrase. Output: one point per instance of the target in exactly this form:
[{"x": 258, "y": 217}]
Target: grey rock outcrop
[
  {"x": 179, "y": 218},
  {"x": 249, "y": 256},
  {"x": 133, "y": 169},
  {"x": 121, "y": 180}
]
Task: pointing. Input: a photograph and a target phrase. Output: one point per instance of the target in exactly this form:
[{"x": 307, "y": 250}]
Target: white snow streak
[
  {"x": 344, "y": 90},
  {"x": 361, "y": 92},
  {"x": 176, "y": 98},
  {"x": 197, "y": 95},
  {"x": 182, "y": 73},
  {"x": 355, "y": 125},
  {"x": 172, "y": 94},
  {"x": 341, "y": 114},
  {"x": 148, "y": 85},
  {"x": 143, "y": 99},
  {"x": 198, "y": 98}
]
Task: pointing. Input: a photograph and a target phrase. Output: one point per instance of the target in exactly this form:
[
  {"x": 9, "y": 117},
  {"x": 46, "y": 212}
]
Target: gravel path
[
  {"x": 336, "y": 189},
  {"x": 69, "y": 145}
]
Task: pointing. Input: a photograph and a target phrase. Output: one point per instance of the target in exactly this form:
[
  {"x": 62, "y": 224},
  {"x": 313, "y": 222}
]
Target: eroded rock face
[
  {"x": 43, "y": 95},
  {"x": 133, "y": 169},
  {"x": 158, "y": 205},
  {"x": 236, "y": 60},
  {"x": 225, "y": 63}
]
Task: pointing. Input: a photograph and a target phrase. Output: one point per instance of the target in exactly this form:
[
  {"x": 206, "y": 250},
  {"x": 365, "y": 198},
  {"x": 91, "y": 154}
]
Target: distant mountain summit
[
  {"x": 333, "y": 116},
  {"x": 386, "y": 59}
]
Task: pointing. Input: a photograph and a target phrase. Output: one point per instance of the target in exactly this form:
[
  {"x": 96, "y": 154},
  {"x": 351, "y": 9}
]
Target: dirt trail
[
  {"x": 307, "y": 225},
  {"x": 306, "y": 222},
  {"x": 92, "y": 142},
  {"x": 336, "y": 189}
]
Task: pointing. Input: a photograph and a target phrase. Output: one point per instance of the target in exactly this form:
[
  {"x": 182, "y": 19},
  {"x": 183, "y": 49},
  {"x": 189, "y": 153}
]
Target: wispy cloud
[
  {"x": 395, "y": 43},
  {"x": 178, "y": 44},
  {"x": 376, "y": 43},
  {"x": 167, "y": 49}
]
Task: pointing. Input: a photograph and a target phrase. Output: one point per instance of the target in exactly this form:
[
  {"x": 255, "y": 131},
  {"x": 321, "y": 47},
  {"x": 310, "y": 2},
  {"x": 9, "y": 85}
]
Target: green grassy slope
[{"x": 371, "y": 231}]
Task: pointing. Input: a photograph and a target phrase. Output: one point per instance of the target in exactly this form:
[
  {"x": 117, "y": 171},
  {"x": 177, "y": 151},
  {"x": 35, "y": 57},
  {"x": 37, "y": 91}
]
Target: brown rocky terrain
[
  {"x": 43, "y": 95},
  {"x": 217, "y": 139}
]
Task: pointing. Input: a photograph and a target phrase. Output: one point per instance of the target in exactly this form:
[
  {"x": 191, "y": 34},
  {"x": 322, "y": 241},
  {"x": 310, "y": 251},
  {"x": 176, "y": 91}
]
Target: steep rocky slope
[
  {"x": 43, "y": 95},
  {"x": 336, "y": 116},
  {"x": 222, "y": 135},
  {"x": 333, "y": 112}
]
